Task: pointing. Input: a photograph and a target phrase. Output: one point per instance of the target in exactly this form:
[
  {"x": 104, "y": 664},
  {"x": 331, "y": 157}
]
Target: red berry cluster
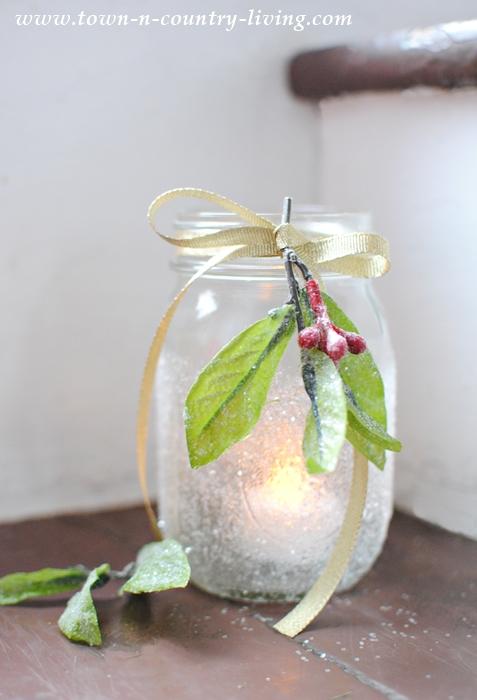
[{"x": 323, "y": 334}]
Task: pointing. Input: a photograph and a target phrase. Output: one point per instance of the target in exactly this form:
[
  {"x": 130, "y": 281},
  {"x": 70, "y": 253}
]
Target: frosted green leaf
[
  {"x": 326, "y": 423},
  {"x": 362, "y": 376},
  {"x": 79, "y": 621},
  {"x": 159, "y": 567},
  {"x": 23, "y": 585},
  {"x": 369, "y": 449},
  {"x": 227, "y": 397},
  {"x": 369, "y": 428}
]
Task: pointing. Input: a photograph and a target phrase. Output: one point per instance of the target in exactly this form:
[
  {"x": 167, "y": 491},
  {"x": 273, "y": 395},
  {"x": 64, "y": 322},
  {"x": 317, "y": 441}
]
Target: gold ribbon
[{"x": 357, "y": 254}]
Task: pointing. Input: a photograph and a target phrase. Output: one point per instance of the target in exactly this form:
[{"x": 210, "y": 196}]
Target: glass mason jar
[{"x": 254, "y": 523}]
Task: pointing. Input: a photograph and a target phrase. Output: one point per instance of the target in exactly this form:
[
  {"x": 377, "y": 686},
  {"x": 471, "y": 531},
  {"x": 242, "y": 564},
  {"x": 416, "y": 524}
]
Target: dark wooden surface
[
  {"x": 408, "y": 630},
  {"x": 443, "y": 56}
]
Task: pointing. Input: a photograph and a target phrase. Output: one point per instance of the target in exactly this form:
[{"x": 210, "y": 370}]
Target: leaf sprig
[
  {"x": 345, "y": 389},
  {"x": 159, "y": 566}
]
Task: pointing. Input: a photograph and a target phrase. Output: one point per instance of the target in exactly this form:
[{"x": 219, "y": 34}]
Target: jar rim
[
  {"x": 314, "y": 220},
  {"x": 308, "y": 214}
]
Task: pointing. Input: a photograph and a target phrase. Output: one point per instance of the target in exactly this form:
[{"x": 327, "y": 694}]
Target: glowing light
[{"x": 287, "y": 484}]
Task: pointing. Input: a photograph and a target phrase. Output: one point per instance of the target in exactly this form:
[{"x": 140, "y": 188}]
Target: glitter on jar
[{"x": 255, "y": 524}]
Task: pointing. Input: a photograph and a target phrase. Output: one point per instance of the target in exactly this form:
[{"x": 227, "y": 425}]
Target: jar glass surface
[{"x": 254, "y": 523}]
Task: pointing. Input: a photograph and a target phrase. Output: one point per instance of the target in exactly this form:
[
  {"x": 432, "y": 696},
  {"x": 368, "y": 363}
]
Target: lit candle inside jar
[
  {"x": 280, "y": 494},
  {"x": 286, "y": 484}
]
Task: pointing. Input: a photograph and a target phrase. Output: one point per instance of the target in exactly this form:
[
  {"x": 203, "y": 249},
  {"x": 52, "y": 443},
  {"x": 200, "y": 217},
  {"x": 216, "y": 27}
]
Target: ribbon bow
[{"x": 358, "y": 254}]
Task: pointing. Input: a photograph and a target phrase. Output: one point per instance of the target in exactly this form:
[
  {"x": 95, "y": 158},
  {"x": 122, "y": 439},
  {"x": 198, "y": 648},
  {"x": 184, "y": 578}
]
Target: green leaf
[
  {"x": 361, "y": 375},
  {"x": 374, "y": 453},
  {"x": 326, "y": 423},
  {"x": 369, "y": 428},
  {"x": 369, "y": 449},
  {"x": 23, "y": 585},
  {"x": 359, "y": 372},
  {"x": 159, "y": 567},
  {"x": 227, "y": 397},
  {"x": 79, "y": 621}
]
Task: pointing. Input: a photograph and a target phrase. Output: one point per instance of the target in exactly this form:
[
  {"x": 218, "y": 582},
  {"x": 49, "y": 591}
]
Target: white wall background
[
  {"x": 94, "y": 123},
  {"x": 413, "y": 163}
]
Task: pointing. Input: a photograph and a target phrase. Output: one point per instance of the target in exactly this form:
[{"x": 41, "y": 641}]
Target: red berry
[
  {"x": 336, "y": 345},
  {"x": 314, "y": 296},
  {"x": 309, "y": 337},
  {"x": 356, "y": 343}
]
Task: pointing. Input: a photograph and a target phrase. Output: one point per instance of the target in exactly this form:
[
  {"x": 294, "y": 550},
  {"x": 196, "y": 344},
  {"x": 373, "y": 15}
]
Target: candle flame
[{"x": 287, "y": 482}]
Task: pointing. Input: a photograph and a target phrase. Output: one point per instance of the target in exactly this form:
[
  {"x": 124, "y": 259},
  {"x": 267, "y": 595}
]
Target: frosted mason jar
[{"x": 254, "y": 523}]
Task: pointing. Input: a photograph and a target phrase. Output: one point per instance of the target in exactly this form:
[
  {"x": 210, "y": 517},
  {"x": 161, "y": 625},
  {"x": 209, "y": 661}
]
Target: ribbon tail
[
  {"x": 147, "y": 384},
  {"x": 315, "y": 600}
]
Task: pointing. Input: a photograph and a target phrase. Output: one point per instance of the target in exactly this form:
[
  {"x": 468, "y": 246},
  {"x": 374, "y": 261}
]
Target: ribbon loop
[
  {"x": 358, "y": 254},
  {"x": 287, "y": 236}
]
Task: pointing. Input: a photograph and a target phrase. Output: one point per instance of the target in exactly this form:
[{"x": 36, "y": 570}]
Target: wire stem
[{"x": 294, "y": 288}]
